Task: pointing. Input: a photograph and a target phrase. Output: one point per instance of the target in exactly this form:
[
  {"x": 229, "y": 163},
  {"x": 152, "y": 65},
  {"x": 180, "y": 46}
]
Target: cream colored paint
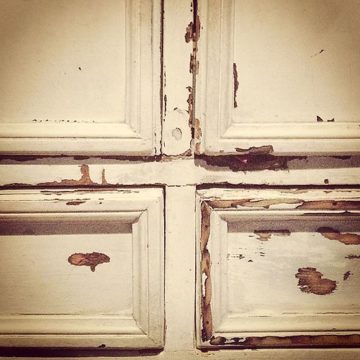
[
  {"x": 254, "y": 289},
  {"x": 81, "y": 71},
  {"x": 165, "y": 293},
  {"x": 270, "y": 68},
  {"x": 43, "y": 294}
]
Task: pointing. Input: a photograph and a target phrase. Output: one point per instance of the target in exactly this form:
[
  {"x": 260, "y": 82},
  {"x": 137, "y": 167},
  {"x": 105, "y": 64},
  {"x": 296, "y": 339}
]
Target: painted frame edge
[
  {"x": 149, "y": 201},
  {"x": 212, "y": 199}
]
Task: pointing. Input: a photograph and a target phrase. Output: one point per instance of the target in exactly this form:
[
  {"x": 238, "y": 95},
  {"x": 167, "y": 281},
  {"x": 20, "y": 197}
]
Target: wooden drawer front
[
  {"x": 82, "y": 268},
  {"x": 279, "y": 268},
  {"x": 83, "y": 69}
]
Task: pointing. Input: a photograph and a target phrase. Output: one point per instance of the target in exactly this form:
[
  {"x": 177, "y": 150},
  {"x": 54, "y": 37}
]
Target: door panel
[
  {"x": 82, "y": 69},
  {"x": 279, "y": 76},
  {"x": 78, "y": 263},
  {"x": 279, "y": 268}
]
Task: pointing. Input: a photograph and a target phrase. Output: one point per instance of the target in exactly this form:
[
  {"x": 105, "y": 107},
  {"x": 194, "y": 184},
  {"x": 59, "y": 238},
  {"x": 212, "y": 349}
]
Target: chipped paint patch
[
  {"x": 330, "y": 205},
  {"x": 84, "y": 179},
  {"x": 192, "y": 32},
  {"x": 266, "y": 204},
  {"x": 345, "y": 238},
  {"x": 206, "y": 314},
  {"x": 103, "y": 178},
  {"x": 347, "y": 275},
  {"x": 256, "y": 150},
  {"x": 244, "y": 162},
  {"x": 286, "y": 341},
  {"x": 75, "y": 202},
  {"x": 265, "y": 235},
  {"x": 311, "y": 281},
  {"x": 89, "y": 259},
  {"x": 352, "y": 256},
  {"x": 236, "y": 84}
]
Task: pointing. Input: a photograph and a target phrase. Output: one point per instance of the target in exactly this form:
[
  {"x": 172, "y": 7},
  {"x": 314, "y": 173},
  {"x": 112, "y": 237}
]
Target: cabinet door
[
  {"x": 279, "y": 76},
  {"x": 82, "y": 268},
  {"x": 278, "y": 268},
  {"x": 80, "y": 76}
]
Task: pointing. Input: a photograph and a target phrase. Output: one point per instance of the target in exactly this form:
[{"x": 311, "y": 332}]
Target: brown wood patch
[{"x": 89, "y": 259}]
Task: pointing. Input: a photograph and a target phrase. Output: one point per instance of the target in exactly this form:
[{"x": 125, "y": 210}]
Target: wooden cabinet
[{"x": 179, "y": 179}]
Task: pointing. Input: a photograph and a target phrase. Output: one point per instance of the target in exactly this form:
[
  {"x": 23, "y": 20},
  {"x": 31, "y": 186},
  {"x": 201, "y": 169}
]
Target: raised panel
[
  {"x": 82, "y": 268},
  {"x": 279, "y": 76},
  {"x": 80, "y": 76},
  {"x": 279, "y": 268}
]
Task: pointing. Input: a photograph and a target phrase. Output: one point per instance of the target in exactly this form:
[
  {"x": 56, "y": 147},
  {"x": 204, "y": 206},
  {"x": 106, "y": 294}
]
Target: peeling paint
[
  {"x": 287, "y": 341},
  {"x": 192, "y": 32},
  {"x": 206, "y": 314},
  {"x": 319, "y": 119},
  {"x": 236, "y": 84},
  {"x": 256, "y": 150},
  {"x": 244, "y": 162},
  {"x": 265, "y": 235},
  {"x": 266, "y": 204},
  {"x": 89, "y": 259},
  {"x": 352, "y": 256},
  {"x": 330, "y": 205},
  {"x": 345, "y": 238},
  {"x": 103, "y": 179},
  {"x": 84, "y": 179},
  {"x": 311, "y": 281},
  {"x": 75, "y": 202}
]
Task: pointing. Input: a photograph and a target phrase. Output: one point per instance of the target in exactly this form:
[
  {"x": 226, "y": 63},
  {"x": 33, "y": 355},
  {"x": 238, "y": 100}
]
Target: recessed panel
[
  {"x": 81, "y": 268},
  {"x": 84, "y": 69},
  {"x": 278, "y": 268},
  {"x": 62, "y": 60},
  {"x": 297, "y": 61},
  {"x": 279, "y": 77},
  {"x": 65, "y": 273},
  {"x": 284, "y": 265}
]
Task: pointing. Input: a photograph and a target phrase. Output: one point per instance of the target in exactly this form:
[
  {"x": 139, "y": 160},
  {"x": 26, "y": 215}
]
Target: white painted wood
[
  {"x": 119, "y": 304},
  {"x": 320, "y": 171},
  {"x": 177, "y": 78},
  {"x": 279, "y": 74},
  {"x": 261, "y": 243},
  {"x": 180, "y": 268},
  {"x": 81, "y": 77}
]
